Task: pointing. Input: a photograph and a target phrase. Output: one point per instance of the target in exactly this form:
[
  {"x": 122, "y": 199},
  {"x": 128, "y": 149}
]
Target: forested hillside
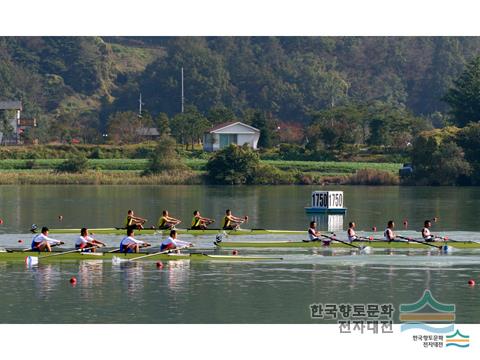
[{"x": 75, "y": 85}]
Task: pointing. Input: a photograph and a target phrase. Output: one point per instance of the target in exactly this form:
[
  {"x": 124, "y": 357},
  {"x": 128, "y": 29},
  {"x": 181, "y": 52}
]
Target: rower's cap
[{"x": 44, "y": 229}]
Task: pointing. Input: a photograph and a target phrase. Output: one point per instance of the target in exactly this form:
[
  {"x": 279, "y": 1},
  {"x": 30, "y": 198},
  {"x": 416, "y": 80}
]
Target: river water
[{"x": 244, "y": 292}]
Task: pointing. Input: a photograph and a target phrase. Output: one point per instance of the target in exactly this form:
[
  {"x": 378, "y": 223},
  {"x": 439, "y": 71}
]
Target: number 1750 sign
[{"x": 327, "y": 199}]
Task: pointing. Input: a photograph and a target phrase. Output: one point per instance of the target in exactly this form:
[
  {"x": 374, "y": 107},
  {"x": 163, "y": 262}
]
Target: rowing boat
[
  {"x": 44, "y": 257},
  {"x": 373, "y": 244},
  {"x": 117, "y": 231}
]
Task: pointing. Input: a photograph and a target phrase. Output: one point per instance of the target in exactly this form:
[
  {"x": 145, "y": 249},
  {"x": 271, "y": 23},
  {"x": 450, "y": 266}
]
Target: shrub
[
  {"x": 78, "y": 164},
  {"x": 30, "y": 164},
  {"x": 165, "y": 158},
  {"x": 233, "y": 165},
  {"x": 96, "y": 154}
]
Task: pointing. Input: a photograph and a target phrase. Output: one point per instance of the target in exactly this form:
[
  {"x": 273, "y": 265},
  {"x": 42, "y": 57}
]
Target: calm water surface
[{"x": 216, "y": 292}]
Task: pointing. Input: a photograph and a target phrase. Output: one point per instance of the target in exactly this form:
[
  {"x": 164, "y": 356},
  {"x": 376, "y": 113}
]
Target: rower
[
  {"x": 134, "y": 222},
  {"x": 388, "y": 233},
  {"x": 352, "y": 236},
  {"x": 427, "y": 236},
  {"x": 42, "y": 242},
  {"x": 171, "y": 242},
  {"x": 85, "y": 241},
  {"x": 129, "y": 244},
  {"x": 199, "y": 222},
  {"x": 231, "y": 222},
  {"x": 313, "y": 233},
  {"x": 167, "y": 222}
]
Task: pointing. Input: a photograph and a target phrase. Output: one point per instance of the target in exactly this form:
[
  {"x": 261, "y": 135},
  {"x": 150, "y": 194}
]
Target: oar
[
  {"x": 117, "y": 259},
  {"x": 33, "y": 260},
  {"x": 365, "y": 249},
  {"x": 425, "y": 243}
]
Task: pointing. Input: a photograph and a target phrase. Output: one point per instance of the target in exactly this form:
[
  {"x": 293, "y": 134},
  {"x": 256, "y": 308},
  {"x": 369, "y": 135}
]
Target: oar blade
[
  {"x": 31, "y": 260},
  {"x": 366, "y": 250},
  {"x": 118, "y": 260}
]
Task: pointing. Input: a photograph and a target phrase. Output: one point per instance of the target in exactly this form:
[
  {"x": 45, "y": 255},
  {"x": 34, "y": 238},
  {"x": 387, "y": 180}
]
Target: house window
[{"x": 227, "y": 139}]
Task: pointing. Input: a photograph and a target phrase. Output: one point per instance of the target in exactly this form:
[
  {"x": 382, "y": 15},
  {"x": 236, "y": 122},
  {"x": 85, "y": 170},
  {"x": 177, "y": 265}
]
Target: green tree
[
  {"x": 220, "y": 114},
  {"x": 163, "y": 124},
  {"x": 234, "y": 165},
  {"x": 438, "y": 163},
  {"x": 124, "y": 127},
  {"x": 267, "y": 126},
  {"x": 469, "y": 140},
  {"x": 464, "y": 96},
  {"x": 165, "y": 157},
  {"x": 75, "y": 164},
  {"x": 335, "y": 127},
  {"x": 188, "y": 127}
]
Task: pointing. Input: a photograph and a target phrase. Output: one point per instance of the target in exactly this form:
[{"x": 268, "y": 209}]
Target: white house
[{"x": 235, "y": 132}]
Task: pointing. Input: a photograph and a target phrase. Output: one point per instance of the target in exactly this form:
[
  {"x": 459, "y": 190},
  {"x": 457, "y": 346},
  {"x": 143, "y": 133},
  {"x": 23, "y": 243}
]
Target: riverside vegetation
[{"x": 328, "y": 110}]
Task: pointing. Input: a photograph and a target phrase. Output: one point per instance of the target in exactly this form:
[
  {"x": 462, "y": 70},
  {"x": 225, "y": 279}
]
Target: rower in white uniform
[
  {"x": 352, "y": 236},
  {"x": 129, "y": 244},
  {"x": 85, "y": 241},
  {"x": 313, "y": 233},
  {"x": 172, "y": 242},
  {"x": 427, "y": 236},
  {"x": 42, "y": 242},
  {"x": 388, "y": 233}
]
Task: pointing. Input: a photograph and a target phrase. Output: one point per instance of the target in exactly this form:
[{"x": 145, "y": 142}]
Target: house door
[{"x": 227, "y": 139}]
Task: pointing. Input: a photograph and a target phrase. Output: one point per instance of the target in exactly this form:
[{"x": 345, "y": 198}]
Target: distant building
[
  {"x": 17, "y": 124},
  {"x": 148, "y": 133},
  {"x": 234, "y": 132}
]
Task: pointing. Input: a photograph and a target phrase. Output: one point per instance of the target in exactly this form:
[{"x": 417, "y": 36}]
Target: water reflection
[
  {"x": 131, "y": 277},
  {"x": 177, "y": 275},
  {"x": 90, "y": 274},
  {"x": 46, "y": 278}
]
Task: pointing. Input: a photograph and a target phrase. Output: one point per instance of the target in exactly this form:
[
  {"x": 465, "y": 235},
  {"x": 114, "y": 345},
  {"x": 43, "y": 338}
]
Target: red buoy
[
  {"x": 471, "y": 282},
  {"x": 374, "y": 228},
  {"x": 405, "y": 223},
  {"x": 73, "y": 280},
  {"x": 159, "y": 265},
  {"x": 1, "y": 221},
  {"x": 20, "y": 241},
  {"x": 235, "y": 252}
]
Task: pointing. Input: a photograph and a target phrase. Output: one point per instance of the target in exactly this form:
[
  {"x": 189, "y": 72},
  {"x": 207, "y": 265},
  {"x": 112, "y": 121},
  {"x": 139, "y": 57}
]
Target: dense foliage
[
  {"x": 165, "y": 158},
  {"x": 233, "y": 165},
  {"x": 78, "y": 87}
]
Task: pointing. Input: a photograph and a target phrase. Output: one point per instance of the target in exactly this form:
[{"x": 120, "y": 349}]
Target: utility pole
[
  {"x": 183, "y": 97},
  {"x": 140, "y": 103}
]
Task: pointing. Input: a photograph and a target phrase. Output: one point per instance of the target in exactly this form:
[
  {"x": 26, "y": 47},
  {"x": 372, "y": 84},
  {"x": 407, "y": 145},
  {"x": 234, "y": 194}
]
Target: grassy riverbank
[{"x": 128, "y": 171}]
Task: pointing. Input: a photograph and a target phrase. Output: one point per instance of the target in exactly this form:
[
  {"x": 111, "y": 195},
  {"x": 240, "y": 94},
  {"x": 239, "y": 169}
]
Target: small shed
[{"x": 234, "y": 132}]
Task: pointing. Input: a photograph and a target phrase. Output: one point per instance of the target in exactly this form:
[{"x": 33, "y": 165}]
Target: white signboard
[{"x": 327, "y": 199}]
